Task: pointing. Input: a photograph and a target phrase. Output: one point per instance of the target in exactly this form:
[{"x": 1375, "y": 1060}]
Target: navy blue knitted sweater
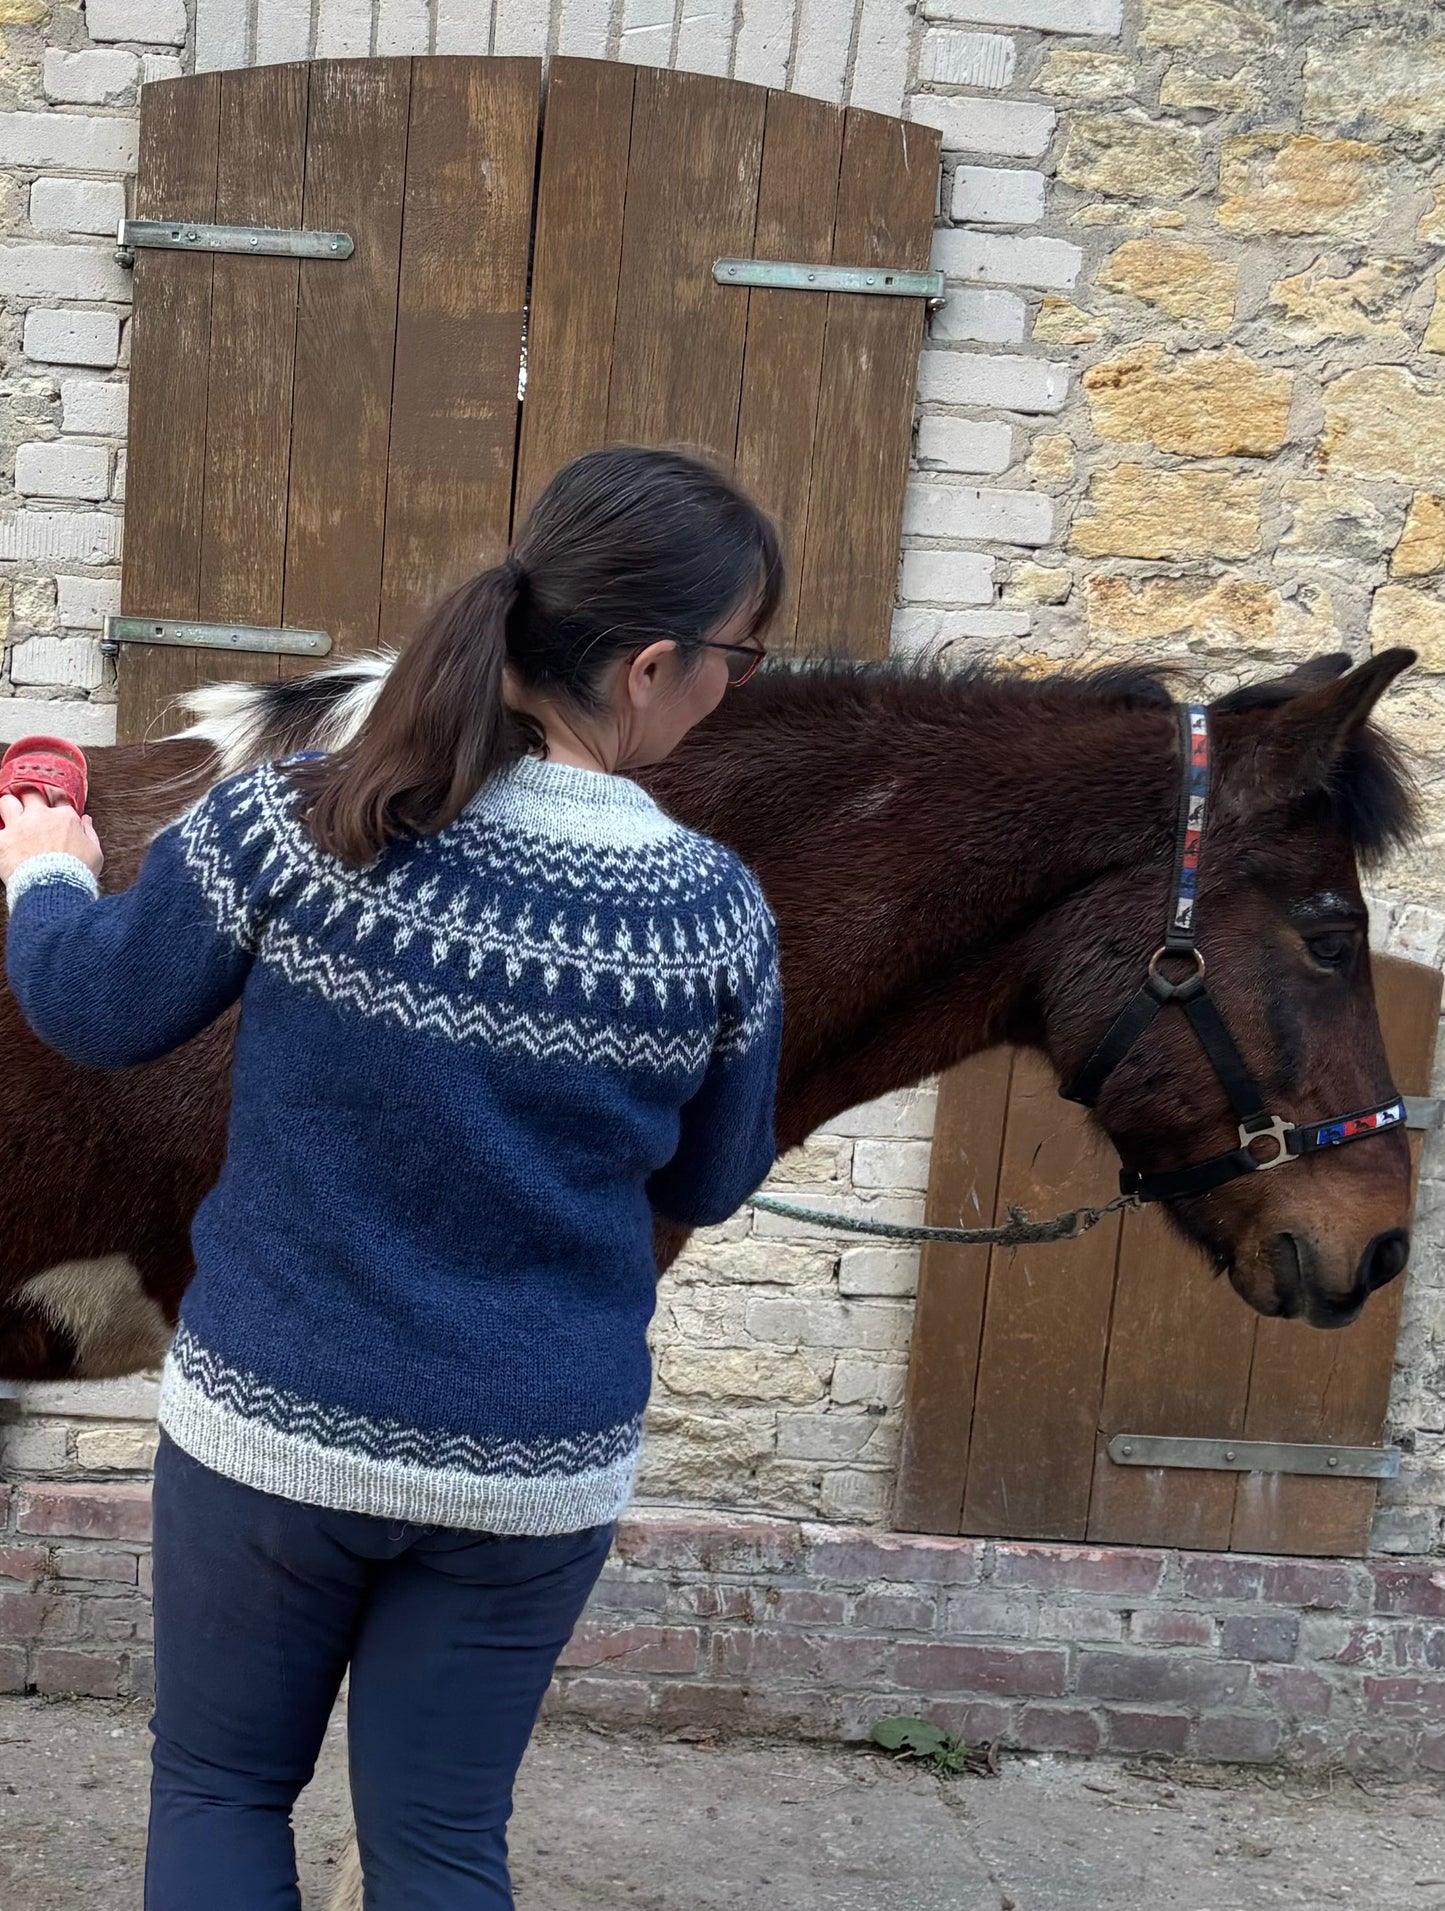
[{"x": 464, "y": 1078}]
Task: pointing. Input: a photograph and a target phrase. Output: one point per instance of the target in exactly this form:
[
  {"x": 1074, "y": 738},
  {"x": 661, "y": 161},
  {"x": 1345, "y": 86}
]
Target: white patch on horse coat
[
  {"x": 234, "y": 718},
  {"x": 117, "y": 1328}
]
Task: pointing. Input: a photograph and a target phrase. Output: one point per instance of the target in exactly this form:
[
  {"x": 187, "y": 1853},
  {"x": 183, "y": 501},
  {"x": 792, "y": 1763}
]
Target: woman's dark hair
[{"x": 623, "y": 548}]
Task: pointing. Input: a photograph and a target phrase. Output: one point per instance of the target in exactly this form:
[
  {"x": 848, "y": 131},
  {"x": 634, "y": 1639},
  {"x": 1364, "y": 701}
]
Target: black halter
[{"x": 1255, "y": 1122}]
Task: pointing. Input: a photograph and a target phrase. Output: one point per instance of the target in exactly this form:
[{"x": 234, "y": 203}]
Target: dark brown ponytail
[{"x": 623, "y": 548}]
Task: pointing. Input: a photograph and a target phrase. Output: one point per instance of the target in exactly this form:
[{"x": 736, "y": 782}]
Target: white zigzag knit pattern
[{"x": 683, "y": 923}]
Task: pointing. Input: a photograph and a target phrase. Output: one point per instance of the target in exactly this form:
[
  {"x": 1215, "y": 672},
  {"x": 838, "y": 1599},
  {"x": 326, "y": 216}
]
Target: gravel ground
[{"x": 613, "y": 1822}]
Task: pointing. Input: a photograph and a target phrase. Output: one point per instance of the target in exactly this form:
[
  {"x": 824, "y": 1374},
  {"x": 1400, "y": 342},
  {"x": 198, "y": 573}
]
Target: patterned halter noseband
[{"x": 1256, "y": 1124}]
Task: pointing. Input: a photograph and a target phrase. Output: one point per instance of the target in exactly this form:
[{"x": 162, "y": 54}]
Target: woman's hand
[{"x": 31, "y": 826}]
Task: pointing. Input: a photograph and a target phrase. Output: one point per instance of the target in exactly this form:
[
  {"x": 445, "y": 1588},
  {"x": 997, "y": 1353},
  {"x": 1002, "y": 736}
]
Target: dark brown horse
[{"x": 954, "y": 862}]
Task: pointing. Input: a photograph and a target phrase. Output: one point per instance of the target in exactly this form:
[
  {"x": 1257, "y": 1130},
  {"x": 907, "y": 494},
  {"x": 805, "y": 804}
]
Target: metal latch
[
  {"x": 883, "y": 281},
  {"x": 190, "y": 235},
  {"x": 1255, "y": 1456},
  {"x": 154, "y": 630}
]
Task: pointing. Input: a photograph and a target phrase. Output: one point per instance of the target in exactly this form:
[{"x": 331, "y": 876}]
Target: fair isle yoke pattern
[
  {"x": 650, "y": 918},
  {"x": 466, "y": 1081}
]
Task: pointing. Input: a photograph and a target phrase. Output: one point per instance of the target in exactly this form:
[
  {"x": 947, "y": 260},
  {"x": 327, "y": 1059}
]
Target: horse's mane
[{"x": 1370, "y": 797}]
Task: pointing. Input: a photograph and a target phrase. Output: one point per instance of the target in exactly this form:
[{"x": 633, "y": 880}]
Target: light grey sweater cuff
[{"x": 51, "y": 865}]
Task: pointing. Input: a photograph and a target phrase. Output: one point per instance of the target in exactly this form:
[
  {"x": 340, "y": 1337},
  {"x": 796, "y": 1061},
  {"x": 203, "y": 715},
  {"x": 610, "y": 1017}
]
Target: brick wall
[{"x": 1192, "y": 249}]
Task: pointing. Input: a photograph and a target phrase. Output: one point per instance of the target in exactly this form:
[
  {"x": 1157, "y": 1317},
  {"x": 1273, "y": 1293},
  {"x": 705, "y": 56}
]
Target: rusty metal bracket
[
  {"x": 191, "y": 636},
  {"x": 784, "y": 275},
  {"x": 1254, "y": 1456},
  {"x": 261, "y": 242}
]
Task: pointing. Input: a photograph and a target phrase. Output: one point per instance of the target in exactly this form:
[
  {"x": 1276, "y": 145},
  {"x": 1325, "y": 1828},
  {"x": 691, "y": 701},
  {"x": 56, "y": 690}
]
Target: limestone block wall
[{"x": 1186, "y": 399}]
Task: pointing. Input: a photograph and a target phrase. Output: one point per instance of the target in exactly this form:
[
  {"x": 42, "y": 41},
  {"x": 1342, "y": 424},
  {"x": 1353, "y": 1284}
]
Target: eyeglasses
[{"x": 743, "y": 660}]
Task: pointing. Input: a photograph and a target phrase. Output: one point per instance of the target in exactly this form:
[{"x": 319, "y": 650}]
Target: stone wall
[{"x": 1185, "y": 399}]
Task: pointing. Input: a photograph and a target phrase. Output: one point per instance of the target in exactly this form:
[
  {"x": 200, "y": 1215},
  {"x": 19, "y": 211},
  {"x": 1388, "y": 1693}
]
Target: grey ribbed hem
[
  {"x": 51, "y": 865},
  {"x": 294, "y": 1468}
]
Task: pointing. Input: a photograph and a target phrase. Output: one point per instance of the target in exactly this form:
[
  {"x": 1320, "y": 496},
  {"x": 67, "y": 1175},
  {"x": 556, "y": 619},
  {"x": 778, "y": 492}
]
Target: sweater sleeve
[
  {"x": 110, "y": 981},
  {"x": 726, "y": 1144}
]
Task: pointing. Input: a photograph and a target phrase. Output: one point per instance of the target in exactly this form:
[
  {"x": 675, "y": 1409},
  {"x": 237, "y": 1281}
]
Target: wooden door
[
  {"x": 1024, "y": 1362},
  {"x": 331, "y": 444}
]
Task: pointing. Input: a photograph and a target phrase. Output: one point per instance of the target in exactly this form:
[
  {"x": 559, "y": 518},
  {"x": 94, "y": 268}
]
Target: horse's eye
[{"x": 1331, "y": 948}]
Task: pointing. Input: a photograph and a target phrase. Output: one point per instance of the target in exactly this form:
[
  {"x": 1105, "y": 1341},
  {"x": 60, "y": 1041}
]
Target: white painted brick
[
  {"x": 967, "y": 59},
  {"x": 72, "y": 338},
  {"x": 223, "y": 35},
  {"x": 283, "y": 31},
  {"x": 907, "y": 1111},
  {"x": 583, "y": 27},
  {"x": 402, "y": 26},
  {"x": 162, "y": 66},
  {"x": 992, "y": 517},
  {"x": 964, "y": 444},
  {"x": 916, "y": 632},
  {"x": 764, "y": 37},
  {"x": 86, "y": 602},
  {"x": 32, "y": 269},
  {"x": 97, "y": 76},
  {"x": 1049, "y": 16},
  {"x": 646, "y": 33},
  {"x": 77, "y": 205},
  {"x": 135, "y": 1398},
  {"x": 73, "y": 142},
  {"x": 850, "y": 1494},
  {"x": 74, "y": 662},
  {"x": 880, "y": 65},
  {"x": 63, "y": 468},
  {"x": 705, "y": 36},
  {"x": 868, "y": 1383},
  {"x": 824, "y": 1436},
  {"x": 997, "y": 196},
  {"x": 33, "y": 1449},
  {"x": 94, "y": 406},
  {"x": 155, "y": 22},
  {"x": 1050, "y": 264},
  {"x": 946, "y": 577},
  {"x": 1012, "y": 128},
  {"x": 33, "y": 605},
  {"x": 42, "y": 537},
  {"x": 519, "y": 28},
  {"x": 117, "y": 489},
  {"x": 992, "y": 318},
  {"x": 891, "y": 1164},
  {"x": 343, "y": 30},
  {"x": 1002, "y": 380},
  {"x": 820, "y": 59},
  {"x": 878, "y": 1270}
]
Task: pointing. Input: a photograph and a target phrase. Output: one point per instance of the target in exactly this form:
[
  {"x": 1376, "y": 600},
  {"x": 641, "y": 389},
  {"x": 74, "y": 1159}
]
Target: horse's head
[{"x": 1302, "y": 788}]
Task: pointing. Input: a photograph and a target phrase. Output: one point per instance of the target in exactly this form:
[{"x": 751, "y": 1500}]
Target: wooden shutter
[
  {"x": 1024, "y": 1362},
  {"x": 331, "y": 444}
]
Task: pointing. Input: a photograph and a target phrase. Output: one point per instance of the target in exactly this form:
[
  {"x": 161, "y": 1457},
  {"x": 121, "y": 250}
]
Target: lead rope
[{"x": 1017, "y": 1231}]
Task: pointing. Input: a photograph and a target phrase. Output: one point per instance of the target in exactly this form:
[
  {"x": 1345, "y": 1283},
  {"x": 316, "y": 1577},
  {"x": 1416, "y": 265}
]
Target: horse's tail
[{"x": 250, "y": 723}]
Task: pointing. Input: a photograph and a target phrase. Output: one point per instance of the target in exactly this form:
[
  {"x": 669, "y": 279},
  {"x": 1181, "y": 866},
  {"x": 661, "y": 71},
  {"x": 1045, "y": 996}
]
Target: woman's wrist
[{"x": 47, "y": 866}]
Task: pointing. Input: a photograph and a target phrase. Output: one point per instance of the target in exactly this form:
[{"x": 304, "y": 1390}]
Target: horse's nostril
[{"x": 1384, "y": 1258}]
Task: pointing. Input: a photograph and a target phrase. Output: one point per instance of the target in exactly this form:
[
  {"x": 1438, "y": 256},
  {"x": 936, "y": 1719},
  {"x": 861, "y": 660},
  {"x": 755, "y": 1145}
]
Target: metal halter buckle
[
  {"x": 1192, "y": 955},
  {"x": 1277, "y": 1131}
]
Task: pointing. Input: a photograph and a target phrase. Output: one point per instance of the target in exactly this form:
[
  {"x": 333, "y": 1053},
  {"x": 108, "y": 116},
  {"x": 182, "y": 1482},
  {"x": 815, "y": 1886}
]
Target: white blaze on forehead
[{"x": 117, "y": 1328}]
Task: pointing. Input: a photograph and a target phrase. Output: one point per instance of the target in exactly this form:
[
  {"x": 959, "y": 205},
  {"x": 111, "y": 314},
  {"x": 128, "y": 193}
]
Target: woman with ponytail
[{"x": 497, "y": 1010}]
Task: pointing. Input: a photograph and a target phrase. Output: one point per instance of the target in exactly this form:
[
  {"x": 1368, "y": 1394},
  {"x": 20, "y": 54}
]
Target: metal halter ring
[
  {"x": 1164, "y": 950},
  {"x": 1278, "y": 1131}
]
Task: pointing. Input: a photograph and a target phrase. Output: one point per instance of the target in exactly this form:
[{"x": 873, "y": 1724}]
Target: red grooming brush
[{"x": 48, "y": 764}]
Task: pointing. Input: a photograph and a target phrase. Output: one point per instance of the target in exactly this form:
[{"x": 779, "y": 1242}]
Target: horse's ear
[{"x": 1289, "y": 746}]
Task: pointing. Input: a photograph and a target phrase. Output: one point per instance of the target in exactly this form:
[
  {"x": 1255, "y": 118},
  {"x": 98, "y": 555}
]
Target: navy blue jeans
[{"x": 260, "y": 1606}]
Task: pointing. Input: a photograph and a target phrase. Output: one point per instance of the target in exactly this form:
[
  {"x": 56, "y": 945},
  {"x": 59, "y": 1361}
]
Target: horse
[{"x": 954, "y": 861}]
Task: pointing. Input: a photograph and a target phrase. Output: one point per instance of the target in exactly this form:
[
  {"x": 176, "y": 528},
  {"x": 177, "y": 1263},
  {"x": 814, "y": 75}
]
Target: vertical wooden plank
[
  {"x": 1308, "y": 1385},
  {"x": 692, "y": 196},
  {"x": 1179, "y": 1355},
  {"x": 968, "y": 1140},
  {"x": 576, "y": 257},
  {"x": 1046, "y": 1320},
  {"x": 253, "y": 330},
  {"x": 886, "y": 198},
  {"x": 783, "y": 362},
  {"x": 345, "y": 339},
  {"x": 170, "y": 353},
  {"x": 470, "y": 169}
]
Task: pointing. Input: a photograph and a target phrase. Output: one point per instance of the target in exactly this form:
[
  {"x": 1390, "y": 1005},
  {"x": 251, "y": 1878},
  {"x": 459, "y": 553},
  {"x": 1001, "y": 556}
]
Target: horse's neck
[{"x": 914, "y": 883}]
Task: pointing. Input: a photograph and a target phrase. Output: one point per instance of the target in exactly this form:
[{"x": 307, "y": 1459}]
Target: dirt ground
[{"x": 612, "y": 1822}]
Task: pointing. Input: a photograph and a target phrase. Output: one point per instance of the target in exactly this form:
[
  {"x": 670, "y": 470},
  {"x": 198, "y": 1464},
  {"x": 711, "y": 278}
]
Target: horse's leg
[{"x": 348, "y": 1892}]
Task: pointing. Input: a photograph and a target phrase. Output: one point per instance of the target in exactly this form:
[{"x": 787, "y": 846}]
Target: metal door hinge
[
  {"x": 155, "y": 630},
  {"x": 784, "y": 275},
  {"x": 190, "y": 235},
  {"x": 1255, "y": 1456}
]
